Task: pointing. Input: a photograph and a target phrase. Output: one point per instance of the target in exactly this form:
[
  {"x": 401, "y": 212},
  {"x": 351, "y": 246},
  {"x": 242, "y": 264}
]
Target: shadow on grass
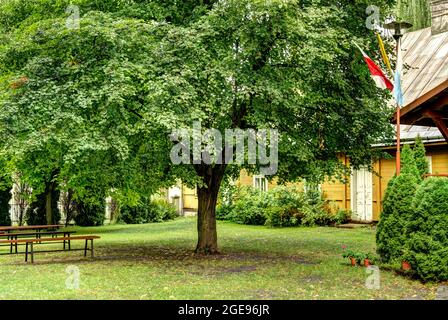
[{"x": 147, "y": 254}]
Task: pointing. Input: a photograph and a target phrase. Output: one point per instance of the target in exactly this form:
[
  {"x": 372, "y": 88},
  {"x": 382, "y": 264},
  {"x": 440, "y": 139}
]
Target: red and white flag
[{"x": 376, "y": 73}]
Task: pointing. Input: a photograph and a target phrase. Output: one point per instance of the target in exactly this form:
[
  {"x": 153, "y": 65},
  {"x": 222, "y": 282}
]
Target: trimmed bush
[
  {"x": 408, "y": 163},
  {"x": 420, "y": 157},
  {"x": 427, "y": 247},
  {"x": 5, "y": 197},
  {"x": 147, "y": 211},
  {"x": 397, "y": 209}
]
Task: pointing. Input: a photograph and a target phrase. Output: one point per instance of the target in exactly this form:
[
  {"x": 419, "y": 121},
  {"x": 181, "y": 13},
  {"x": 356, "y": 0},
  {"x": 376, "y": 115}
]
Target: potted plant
[
  {"x": 351, "y": 255},
  {"x": 369, "y": 260},
  {"x": 405, "y": 266}
]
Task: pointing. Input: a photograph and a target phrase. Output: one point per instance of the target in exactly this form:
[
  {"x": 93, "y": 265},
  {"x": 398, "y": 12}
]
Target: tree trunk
[
  {"x": 48, "y": 209},
  {"x": 50, "y": 201},
  {"x": 207, "y": 199}
]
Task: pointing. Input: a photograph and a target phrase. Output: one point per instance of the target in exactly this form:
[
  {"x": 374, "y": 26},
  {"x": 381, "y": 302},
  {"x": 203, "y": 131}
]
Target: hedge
[{"x": 427, "y": 247}]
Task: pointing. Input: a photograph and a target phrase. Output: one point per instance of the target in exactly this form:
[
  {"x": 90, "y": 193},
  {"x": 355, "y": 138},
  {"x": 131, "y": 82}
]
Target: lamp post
[{"x": 397, "y": 29}]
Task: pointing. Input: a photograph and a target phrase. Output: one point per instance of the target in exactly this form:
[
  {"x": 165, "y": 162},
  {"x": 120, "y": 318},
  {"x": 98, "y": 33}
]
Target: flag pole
[
  {"x": 397, "y": 27},
  {"x": 398, "y": 153}
]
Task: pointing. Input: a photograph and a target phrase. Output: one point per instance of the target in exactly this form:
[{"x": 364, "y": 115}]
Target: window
[{"x": 261, "y": 183}]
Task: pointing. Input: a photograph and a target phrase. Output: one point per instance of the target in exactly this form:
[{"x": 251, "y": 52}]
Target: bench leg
[
  {"x": 85, "y": 249},
  {"x": 26, "y": 252},
  {"x": 11, "y": 245},
  {"x": 32, "y": 253},
  {"x": 16, "y": 244},
  {"x": 91, "y": 246}
]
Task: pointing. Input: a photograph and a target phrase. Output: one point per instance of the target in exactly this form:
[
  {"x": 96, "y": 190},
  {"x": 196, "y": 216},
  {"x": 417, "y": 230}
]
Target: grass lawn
[{"x": 155, "y": 261}]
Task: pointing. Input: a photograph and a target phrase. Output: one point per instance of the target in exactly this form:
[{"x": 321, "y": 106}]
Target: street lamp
[{"x": 398, "y": 28}]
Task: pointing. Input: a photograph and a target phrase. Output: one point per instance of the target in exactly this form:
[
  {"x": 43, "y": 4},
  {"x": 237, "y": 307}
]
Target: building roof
[
  {"x": 428, "y": 134},
  {"x": 409, "y": 133},
  {"x": 426, "y": 55},
  {"x": 425, "y": 84}
]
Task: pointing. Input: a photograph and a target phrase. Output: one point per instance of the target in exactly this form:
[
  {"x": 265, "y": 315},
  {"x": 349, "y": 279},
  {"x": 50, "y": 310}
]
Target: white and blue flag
[{"x": 398, "y": 94}]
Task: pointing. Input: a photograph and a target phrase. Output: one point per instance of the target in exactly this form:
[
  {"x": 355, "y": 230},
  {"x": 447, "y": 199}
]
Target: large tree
[{"x": 106, "y": 95}]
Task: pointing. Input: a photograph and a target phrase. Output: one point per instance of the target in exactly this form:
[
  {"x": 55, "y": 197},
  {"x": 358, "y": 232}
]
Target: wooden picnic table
[
  {"x": 37, "y": 235},
  {"x": 29, "y": 243},
  {"x": 23, "y": 228}
]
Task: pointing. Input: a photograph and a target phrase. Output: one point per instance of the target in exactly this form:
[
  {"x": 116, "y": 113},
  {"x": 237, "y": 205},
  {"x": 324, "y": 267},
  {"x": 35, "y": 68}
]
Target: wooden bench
[
  {"x": 29, "y": 243},
  {"x": 38, "y": 235}
]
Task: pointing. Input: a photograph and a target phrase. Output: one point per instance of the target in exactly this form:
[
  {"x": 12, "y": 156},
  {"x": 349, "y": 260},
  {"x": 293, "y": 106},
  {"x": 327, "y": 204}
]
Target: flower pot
[
  {"x": 367, "y": 262},
  {"x": 406, "y": 266},
  {"x": 353, "y": 261}
]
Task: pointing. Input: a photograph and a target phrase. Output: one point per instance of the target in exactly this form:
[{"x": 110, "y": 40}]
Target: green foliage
[
  {"x": 147, "y": 210},
  {"x": 223, "y": 211},
  {"x": 162, "y": 210},
  {"x": 248, "y": 207},
  {"x": 279, "y": 207},
  {"x": 5, "y": 197},
  {"x": 397, "y": 209},
  {"x": 420, "y": 157},
  {"x": 359, "y": 256},
  {"x": 97, "y": 103},
  {"x": 417, "y": 12},
  {"x": 116, "y": 89},
  {"x": 408, "y": 163},
  {"x": 427, "y": 247},
  {"x": 342, "y": 216},
  {"x": 90, "y": 213}
]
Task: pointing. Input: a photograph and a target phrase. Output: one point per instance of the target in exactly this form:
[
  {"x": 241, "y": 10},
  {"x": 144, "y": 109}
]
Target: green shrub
[
  {"x": 285, "y": 216},
  {"x": 316, "y": 216},
  {"x": 279, "y": 207},
  {"x": 223, "y": 211},
  {"x": 397, "y": 209},
  {"x": 148, "y": 211},
  {"x": 342, "y": 216},
  {"x": 250, "y": 207},
  {"x": 428, "y": 231},
  {"x": 286, "y": 208},
  {"x": 90, "y": 214},
  {"x": 161, "y": 210},
  {"x": 391, "y": 230},
  {"x": 420, "y": 157},
  {"x": 408, "y": 163},
  {"x": 5, "y": 197}
]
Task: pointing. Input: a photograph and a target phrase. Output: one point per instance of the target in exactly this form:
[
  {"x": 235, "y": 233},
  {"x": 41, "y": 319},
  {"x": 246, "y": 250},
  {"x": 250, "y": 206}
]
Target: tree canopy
[{"x": 92, "y": 107}]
